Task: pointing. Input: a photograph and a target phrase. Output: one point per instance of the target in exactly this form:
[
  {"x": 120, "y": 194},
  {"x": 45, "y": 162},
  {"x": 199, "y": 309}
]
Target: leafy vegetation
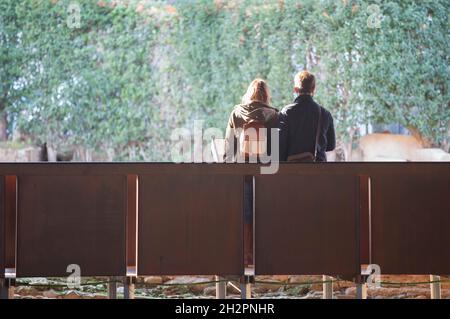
[{"x": 132, "y": 71}]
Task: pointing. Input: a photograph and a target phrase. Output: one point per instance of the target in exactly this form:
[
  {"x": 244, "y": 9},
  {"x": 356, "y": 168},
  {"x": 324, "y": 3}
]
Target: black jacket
[{"x": 298, "y": 125}]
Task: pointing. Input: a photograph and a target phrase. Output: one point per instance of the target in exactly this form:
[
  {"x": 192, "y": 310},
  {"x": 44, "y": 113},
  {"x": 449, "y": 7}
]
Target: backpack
[{"x": 253, "y": 139}]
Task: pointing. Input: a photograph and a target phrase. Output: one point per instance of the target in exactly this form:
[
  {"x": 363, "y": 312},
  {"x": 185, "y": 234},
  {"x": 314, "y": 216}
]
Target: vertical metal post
[
  {"x": 246, "y": 287},
  {"x": 361, "y": 291},
  {"x": 221, "y": 288},
  {"x": 7, "y": 288},
  {"x": 128, "y": 288},
  {"x": 112, "y": 288},
  {"x": 11, "y": 288},
  {"x": 3, "y": 289},
  {"x": 435, "y": 287},
  {"x": 361, "y": 288},
  {"x": 327, "y": 287}
]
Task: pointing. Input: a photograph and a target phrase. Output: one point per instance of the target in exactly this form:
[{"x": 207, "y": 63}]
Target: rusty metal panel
[
  {"x": 307, "y": 224},
  {"x": 364, "y": 220},
  {"x": 10, "y": 220},
  {"x": 190, "y": 225},
  {"x": 65, "y": 220},
  {"x": 285, "y": 168},
  {"x": 2, "y": 228},
  {"x": 411, "y": 223},
  {"x": 131, "y": 219}
]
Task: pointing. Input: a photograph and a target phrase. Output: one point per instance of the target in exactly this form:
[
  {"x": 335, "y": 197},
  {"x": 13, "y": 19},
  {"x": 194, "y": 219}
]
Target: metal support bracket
[
  {"x": 327, "y": 287},
  {"x": 246, "y": 286},
  {"x": 7, "y": 286},
  {"x": 221, "y": 288},
  {"x": 435, "y": 287}
]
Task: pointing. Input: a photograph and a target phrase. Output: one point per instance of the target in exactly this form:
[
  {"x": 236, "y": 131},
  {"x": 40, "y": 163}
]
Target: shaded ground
[{"x": 298, "y": 287}]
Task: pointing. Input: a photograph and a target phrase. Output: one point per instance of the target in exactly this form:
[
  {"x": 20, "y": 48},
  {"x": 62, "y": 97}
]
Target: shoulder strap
[{"x": 319, "y": 122}]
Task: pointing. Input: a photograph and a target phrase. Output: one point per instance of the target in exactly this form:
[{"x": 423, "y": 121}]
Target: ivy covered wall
[{"x": 126, "y": 73}]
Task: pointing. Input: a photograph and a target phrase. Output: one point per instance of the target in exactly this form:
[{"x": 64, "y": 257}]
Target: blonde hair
[{"x": 258, "y": 90}]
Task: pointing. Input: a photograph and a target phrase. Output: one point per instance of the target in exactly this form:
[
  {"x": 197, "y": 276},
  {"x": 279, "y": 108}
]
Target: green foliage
[
  {"x": 91, "y": 85},
  {"x": 132, "y": 73},
  {"x": 11, "y": 55},
  {"x": 406, "y": 67}
]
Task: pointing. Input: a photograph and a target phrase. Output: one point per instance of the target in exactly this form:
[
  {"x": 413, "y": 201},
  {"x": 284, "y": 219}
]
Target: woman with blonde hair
[{"x": 254, "y": 113}]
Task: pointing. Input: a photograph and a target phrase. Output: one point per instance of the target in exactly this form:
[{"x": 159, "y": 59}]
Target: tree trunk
[
  {"x": 82, "y": 154},
  {"x": 426, "y": 142},
  {"x": 51, "y": 153},
  {"x": 3, "y": 126},
  {"x": 346, "y": 147}
]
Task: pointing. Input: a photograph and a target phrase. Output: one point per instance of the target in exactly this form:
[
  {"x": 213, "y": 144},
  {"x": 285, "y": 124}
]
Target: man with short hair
[{"x": 299, "y": 123}]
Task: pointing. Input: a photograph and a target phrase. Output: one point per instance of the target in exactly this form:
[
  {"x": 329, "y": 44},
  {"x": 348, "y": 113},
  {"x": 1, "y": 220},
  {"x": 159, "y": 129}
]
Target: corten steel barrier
[
  {"x": 307, "y": 224},
  {"x": 410, "y": 222},
  {"x": 364, "y": 219},
  {"x": 10, "y": 220},
  {"x": 131, "y": 235},
  {"x": 190, "y": 225},
  {"x": 2, "y": 228},
  {"x": 63, "y": 220},
  {"x": 189, "y": 218}
]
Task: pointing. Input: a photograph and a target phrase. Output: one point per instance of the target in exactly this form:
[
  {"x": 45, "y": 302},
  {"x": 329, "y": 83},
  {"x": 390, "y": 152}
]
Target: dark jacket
[
  {"x": 298, "y": 125},
  {"x": 245, "y": 113}
]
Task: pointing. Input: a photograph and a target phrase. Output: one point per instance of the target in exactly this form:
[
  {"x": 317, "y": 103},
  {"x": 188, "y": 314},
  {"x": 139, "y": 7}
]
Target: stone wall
[
  {"x": 395, "y": 147},
  {"x": 20, "y": 153}
]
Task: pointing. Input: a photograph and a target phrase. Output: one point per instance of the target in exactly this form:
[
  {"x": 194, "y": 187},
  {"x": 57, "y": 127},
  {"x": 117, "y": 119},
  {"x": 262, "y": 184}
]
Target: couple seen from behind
[
  {"x": 306, "y": 129},
  {"x": 305, "y": 133}
]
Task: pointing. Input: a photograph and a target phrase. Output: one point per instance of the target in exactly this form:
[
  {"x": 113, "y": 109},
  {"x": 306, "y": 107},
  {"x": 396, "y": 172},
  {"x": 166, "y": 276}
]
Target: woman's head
[{"x": 258, "y": 90}]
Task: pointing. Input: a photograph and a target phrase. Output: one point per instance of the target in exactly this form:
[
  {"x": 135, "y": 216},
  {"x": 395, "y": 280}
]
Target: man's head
[{"x": 305, "y": 83}]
